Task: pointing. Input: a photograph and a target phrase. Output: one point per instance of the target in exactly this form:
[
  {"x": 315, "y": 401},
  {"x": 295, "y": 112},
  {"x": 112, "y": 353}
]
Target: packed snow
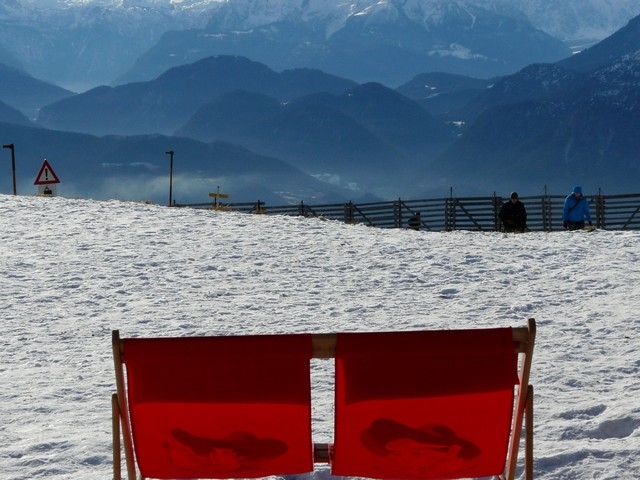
[{"x": 74, "y": 270}]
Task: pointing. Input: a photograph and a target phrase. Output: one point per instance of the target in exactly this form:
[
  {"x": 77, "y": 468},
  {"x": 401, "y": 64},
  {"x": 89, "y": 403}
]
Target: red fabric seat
[
  {"x": 428, "y": 405},
  {"x": 408, "y": 405},
  {"x": 220, "y": 407}
]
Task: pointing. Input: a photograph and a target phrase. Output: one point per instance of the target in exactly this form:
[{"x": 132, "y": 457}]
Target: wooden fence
[{"x": 544, "y": 212}]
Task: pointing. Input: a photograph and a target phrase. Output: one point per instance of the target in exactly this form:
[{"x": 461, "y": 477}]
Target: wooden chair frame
[{"x": 324, "y": 348}]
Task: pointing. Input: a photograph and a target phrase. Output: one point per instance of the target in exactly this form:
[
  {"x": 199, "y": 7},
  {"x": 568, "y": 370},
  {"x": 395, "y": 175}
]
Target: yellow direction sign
[{"x": 217, "y": 195}]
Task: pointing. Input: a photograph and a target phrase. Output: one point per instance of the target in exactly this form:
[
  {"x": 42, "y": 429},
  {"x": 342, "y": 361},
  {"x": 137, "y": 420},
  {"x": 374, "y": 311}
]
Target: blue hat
[{"x": 577, "y": 189}]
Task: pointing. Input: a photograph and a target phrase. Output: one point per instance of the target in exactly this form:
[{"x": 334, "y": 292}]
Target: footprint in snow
[{"x": 448, "y": 292}]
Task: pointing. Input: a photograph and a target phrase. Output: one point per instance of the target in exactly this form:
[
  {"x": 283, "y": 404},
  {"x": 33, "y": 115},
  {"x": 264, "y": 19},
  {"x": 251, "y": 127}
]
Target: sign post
[
  {"x": 47, "y": 180},
  {"x": 218, "y": 195},
  {"x": 170, "y": 153},
  {"x": 13, "y": 164}
]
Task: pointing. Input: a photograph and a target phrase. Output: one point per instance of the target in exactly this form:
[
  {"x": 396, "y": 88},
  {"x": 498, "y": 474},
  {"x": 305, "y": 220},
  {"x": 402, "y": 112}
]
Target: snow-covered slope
[
  {"x": 568, "y": 20},
  {"x": 57, "y": 4},
  {"x": 575, "y": 21},
  {"x": 73, "y": 270}
]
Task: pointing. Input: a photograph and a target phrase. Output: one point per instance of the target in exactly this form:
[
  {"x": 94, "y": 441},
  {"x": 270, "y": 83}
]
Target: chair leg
[
  {"x": 528, "y": 454},
  {"x": 528, "y": 439},
  {"x": 115, "y": 419}
]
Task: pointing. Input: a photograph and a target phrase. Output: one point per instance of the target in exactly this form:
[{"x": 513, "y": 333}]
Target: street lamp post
[
  {"x": 13, "y": 164},
  {"x": 170, "y": 153}
]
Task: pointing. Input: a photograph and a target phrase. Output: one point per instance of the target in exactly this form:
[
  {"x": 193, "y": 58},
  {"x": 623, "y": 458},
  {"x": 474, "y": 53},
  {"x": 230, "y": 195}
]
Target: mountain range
[
  {"x": 570, "y": 122},
  {"x": 304, "y": 134},
  {"x": 386, "y": 42},
  {"x": 78, "y": 44}
]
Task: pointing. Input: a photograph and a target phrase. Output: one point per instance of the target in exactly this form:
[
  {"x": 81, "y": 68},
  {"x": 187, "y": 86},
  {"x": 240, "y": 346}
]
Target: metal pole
[
  {"x": 170, "y": 153},
  {"x": 13, "y": 164}
]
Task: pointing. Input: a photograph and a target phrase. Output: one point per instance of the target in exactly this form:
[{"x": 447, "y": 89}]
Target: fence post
[
  {"x": 547, "y": 223},
  {"x": 397, "y": 213},
  {"x": 449, "y": 215},
  {"x": 600, "y": 210},
  {"x": 257, "y": 208},
  {"x": 497, "y": 203},
  {"x": 348, "y": 212}
]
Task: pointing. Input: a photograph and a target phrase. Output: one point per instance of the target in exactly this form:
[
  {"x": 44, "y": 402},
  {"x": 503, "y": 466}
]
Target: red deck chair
[
  {"x": 432, "y": 404},
  {"x": 213, "y": 407}
]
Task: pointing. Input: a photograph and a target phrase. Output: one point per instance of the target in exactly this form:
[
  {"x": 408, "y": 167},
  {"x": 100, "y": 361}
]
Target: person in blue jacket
[{"x": 576, "y": 210}]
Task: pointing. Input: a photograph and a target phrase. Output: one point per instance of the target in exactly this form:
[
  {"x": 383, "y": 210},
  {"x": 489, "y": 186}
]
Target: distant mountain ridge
[
  {"x": 27, "y": 94},
  {"x": 164, "y": 104},
  {"x": 576, "y": 22},
  {"x": 382, "y": 110},
  {"x": 355, "y": 138},
  {"x": 327, "y": 126},
  {"x": 384, "y": 42},
  {"x": 11, "y": 115},
  {"x": 557, "y": 126},
  {"x": 620, "y": 43},
  {"x": 82, "y": 44},
  {"x": 79, "y": 44}
]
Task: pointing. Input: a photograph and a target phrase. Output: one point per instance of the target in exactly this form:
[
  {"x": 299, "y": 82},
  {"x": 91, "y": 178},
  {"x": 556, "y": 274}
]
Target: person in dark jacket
[
  {"x": 576, "y": 210},
  {"x": 414, "y": 221},
  {"x": 513, "y": 215}
]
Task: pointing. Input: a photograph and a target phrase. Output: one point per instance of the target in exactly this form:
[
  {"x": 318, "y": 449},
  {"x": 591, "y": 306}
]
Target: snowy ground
[{"x": 73, "y": 270}]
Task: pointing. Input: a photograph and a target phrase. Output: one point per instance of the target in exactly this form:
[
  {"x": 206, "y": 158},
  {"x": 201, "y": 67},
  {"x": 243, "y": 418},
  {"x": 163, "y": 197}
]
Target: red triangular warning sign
[{"x": 46, "y": 175}]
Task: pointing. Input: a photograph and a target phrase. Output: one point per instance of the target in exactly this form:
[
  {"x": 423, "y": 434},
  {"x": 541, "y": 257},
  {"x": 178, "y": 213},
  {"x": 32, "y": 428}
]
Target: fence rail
[{"x": 544, "y": 212}]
